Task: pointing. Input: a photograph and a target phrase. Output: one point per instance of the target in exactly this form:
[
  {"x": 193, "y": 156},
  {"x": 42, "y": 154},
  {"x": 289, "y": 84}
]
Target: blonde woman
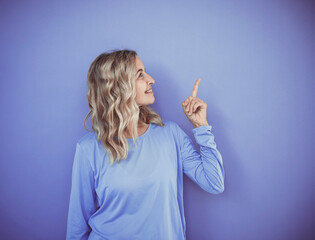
[{"x": 127, "y": 176}]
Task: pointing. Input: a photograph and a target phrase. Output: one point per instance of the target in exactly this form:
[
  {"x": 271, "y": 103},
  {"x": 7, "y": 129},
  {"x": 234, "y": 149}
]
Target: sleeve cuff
[
  {"x": 202, "y": 129},
  {"x": 204, "y": 136}
]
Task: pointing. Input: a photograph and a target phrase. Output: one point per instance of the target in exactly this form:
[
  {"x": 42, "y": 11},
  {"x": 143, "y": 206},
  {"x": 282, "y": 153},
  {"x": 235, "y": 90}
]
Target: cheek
[
  {"x": 139, "y": 92},
  {"x": 140, "y": 87}
]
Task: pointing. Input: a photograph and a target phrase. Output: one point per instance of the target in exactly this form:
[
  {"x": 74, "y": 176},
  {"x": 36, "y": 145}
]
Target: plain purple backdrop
[{"x": 256, "y": 63}]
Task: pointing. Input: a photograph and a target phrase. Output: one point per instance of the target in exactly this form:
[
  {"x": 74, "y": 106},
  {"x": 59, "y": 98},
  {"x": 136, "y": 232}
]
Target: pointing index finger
[{"x": 195, "y": 90}]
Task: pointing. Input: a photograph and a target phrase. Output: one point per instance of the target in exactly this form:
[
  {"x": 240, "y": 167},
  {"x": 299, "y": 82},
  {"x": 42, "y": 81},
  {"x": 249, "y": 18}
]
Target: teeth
[{"x": 149, "y": 91}]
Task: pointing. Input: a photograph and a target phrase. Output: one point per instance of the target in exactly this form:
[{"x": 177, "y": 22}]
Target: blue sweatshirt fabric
[{"x": 140, "y": 197}]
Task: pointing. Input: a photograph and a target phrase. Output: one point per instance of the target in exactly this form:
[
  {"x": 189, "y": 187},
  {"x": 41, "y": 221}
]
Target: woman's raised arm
[{"x": 205, "y": 169}]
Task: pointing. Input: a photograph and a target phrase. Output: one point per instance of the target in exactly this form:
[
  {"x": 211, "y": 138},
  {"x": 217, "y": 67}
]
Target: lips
[{"x": 148, "y": 91}]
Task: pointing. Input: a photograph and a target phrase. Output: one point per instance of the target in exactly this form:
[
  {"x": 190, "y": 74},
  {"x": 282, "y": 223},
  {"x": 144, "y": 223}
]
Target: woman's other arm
[{"x": 82, "y": 197}]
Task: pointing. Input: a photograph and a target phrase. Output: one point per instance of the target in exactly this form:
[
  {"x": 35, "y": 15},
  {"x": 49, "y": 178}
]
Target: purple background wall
[{"x": 256, "y": 61}]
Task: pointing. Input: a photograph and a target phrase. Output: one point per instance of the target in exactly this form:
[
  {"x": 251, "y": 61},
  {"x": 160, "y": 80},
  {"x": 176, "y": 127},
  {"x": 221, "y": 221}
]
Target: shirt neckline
[{"x": 143, "y": 135}]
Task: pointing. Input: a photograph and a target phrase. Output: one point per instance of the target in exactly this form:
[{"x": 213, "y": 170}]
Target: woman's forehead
[{"x": 139, "y": 63}]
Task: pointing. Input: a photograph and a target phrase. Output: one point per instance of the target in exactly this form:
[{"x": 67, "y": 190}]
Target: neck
[{"x": 142, "y": 128}]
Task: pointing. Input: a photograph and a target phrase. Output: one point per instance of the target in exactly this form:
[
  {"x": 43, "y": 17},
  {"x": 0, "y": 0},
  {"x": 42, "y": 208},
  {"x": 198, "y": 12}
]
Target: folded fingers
[{"x": 191, "y": 104}]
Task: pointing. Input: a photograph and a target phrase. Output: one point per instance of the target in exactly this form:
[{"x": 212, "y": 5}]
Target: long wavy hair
[{"x": 111, "y": 98}]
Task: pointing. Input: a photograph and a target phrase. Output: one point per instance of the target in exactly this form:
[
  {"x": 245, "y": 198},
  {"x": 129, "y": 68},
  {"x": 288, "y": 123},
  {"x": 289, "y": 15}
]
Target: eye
[{"x": 140, "y": 75}]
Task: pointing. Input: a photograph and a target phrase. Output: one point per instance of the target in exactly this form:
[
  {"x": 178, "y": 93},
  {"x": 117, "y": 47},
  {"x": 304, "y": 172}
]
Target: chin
[
  {"x": 146, "y": 103},
  {"x": 151, "y": 101}
]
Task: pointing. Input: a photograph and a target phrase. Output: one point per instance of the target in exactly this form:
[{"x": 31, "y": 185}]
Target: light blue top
[{"x": 140, "y": 197}]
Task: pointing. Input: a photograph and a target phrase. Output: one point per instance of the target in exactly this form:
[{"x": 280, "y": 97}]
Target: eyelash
[{"x": 140, "y": 75}]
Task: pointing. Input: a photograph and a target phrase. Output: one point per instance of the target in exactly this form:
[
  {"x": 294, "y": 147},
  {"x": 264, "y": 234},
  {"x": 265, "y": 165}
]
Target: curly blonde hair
[{"x": 111, "y": 97}]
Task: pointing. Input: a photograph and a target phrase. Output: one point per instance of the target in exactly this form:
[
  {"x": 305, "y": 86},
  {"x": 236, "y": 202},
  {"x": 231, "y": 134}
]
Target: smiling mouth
[{"x": 148, "y": 91}]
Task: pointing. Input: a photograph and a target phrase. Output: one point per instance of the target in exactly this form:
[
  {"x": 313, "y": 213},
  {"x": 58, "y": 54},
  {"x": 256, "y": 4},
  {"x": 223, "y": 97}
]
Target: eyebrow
[{"x": 140, "y": 69}]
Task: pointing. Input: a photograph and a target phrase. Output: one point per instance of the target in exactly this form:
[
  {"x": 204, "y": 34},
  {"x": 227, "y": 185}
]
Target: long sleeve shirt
[{"x": 140, "y": 197}]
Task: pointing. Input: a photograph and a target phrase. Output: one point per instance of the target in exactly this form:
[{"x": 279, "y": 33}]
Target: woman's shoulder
[
  {"x": 169, "y": 126},
  {"x": 88, "y": 140},
  {"x": 170, "y": 123}
]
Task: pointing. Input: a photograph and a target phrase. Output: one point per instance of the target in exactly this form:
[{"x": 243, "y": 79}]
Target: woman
[{"x": 127, "y": 176}]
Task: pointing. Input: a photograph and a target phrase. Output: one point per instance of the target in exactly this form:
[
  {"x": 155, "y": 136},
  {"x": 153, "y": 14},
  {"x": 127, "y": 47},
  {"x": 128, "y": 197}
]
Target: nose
[{"x": 150, "y": 80}]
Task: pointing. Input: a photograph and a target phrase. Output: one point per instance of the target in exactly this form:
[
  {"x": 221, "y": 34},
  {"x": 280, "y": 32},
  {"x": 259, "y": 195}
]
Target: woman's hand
[{"x": 195, "y": 109}]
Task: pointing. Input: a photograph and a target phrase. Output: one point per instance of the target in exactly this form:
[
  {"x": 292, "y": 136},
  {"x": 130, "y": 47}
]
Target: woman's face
[{"x": 144, "y": 82}]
